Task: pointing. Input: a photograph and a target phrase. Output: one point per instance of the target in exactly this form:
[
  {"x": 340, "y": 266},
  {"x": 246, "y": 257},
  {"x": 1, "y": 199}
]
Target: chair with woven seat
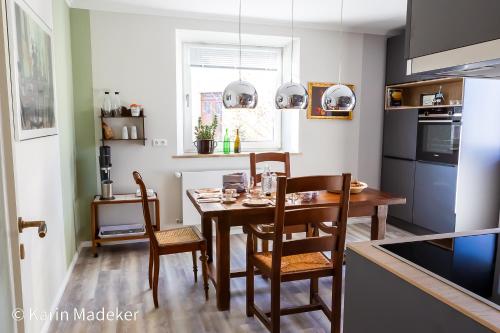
[
  {"x": 257, "y": 178},
  {"x": 170, "y": 241},
  {"x": 301, "y": 259}
]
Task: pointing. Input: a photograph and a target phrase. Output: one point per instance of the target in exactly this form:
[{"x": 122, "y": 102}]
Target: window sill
[{"x": 243, "y": 154}]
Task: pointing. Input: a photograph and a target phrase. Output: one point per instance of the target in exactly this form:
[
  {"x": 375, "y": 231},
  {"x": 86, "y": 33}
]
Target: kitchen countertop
[{"x": 455, "y": 298}]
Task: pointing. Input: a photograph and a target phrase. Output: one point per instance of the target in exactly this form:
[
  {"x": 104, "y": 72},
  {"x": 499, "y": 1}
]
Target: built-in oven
[{"x": 438, "y": 138}]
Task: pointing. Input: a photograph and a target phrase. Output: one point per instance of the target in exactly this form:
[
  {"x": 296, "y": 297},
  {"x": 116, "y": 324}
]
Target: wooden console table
[{"x": 120, "y": 199}]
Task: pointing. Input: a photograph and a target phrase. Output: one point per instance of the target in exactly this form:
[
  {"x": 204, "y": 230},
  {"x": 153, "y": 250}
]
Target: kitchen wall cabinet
[
  {"x": 435, "y": 26},
  {"x": 395, "y": 68},
  {"x": 434, "y": 197},
  {"x": 398, "y": 178}
]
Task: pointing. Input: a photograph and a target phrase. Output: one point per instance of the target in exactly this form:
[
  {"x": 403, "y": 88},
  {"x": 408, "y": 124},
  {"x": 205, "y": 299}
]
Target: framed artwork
[
  {"x": 427, "y": 99},
  {"x": 315, "y": 111},
  {"x": 32, "y": 73}
]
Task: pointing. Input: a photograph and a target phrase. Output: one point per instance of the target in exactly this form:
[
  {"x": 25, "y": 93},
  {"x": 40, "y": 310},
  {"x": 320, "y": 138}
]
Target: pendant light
[
  {"x": 240, "y": 94},
  {"x": 291, "y": 95},
  {"x": 339, "y": 97}
]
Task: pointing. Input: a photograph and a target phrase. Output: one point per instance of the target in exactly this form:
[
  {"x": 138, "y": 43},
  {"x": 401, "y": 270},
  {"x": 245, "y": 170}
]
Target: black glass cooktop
[{"x": 471, "y": 262}]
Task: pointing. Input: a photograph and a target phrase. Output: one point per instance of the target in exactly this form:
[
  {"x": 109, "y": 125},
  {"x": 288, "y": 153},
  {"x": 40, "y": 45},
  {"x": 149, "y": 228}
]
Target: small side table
[{"x": 120, "y": 199}]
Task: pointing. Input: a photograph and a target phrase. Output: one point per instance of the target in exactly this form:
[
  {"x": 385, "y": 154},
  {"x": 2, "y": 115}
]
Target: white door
[{"x": 36, "y": 170}]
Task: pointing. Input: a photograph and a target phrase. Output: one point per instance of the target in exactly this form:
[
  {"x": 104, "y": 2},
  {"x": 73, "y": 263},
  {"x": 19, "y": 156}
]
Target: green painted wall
[
  {"x": 86, "y": 170},
  {"x": 66, "y": 124}
]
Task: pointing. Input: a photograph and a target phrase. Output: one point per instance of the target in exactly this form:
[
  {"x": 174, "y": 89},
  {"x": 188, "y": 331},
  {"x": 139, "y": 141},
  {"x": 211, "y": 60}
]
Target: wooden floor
[{"x": 118, "y": 279}]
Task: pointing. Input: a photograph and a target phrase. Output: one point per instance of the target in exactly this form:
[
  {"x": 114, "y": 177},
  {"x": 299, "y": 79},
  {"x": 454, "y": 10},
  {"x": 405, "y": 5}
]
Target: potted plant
[{"x": 205, "y": 143}]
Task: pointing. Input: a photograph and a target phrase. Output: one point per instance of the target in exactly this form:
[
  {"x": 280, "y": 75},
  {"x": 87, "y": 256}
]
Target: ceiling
[{"x": 368, "y": 16}]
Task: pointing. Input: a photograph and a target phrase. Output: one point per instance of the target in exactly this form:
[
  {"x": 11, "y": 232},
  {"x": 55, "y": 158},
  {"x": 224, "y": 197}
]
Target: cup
[
  {"x": 133, "y": 132},
  {"x": 229, "y": 193},
  {"x": 255, "y": 192},
  {"x": 124, "y": 133}
]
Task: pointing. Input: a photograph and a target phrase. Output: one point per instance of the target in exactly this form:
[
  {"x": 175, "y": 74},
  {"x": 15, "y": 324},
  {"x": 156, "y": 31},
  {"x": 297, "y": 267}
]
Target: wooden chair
[
  {"x": 301, "y": 259},
  {"x": 268, "y": 157},
  {"x": 176, "y": 240},
  {"x": 257, "y": 178}
]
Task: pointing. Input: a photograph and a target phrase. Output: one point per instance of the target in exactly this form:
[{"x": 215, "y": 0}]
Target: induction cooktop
[{"x": 470, "y": 263}]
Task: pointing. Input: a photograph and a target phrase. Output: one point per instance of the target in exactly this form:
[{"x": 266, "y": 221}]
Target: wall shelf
[
  {"x": 125, "y": 119},
  {"x": 407, "y": 107},
  {"x": 452, "y": 88}
]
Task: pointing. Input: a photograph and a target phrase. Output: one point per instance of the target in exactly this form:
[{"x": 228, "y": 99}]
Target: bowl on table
[{"x": 356, "y": 187}]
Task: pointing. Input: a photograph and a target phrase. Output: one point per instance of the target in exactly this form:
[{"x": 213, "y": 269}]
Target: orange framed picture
[{"x": 315, "y": 111}]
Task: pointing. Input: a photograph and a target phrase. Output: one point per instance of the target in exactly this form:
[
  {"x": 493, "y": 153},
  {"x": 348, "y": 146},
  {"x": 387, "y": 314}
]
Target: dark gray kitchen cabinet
[
  {"x": 398, "y": 178},
  {"x": 395, "y": 67},
  {"x": 438, "y": 25},
  {"x": 434, "y": 197},
  {"x": 400, "y": 133}
]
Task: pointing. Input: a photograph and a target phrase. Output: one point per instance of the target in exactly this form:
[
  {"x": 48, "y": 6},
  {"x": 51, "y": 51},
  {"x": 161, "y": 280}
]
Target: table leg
[
  {"x": 93, "y": 227},
  {"x": 379, "y": 222},
  {"x": 223, "y": 264},
  {"x": 206, "y": 230}
]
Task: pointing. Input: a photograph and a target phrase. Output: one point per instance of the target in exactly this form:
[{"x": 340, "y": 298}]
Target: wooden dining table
[{"x": 369, "y": 203}]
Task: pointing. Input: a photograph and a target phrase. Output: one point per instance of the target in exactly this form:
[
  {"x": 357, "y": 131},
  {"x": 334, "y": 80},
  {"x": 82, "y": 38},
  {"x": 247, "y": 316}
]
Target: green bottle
[{"x": 227, "y": 143}]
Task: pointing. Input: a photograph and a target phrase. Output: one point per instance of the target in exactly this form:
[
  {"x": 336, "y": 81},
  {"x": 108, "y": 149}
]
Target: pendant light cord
[
  {"x": 291, "y": 54},
  {"x": 239, "y": 35},
  {"x": 341, "y": 39}
]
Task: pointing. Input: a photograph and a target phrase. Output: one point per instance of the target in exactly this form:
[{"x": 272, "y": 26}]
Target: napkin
[
  {"x": 209, "y": 195},
  {"x": 207, "y": 200}
]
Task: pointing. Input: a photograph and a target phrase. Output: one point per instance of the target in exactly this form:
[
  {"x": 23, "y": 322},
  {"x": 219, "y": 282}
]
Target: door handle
[{"x": 41, "y": 225}]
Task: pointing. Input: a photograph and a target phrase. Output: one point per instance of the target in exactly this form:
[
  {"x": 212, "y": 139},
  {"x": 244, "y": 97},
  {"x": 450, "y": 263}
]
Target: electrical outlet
[{"x": 159, "y": 142}]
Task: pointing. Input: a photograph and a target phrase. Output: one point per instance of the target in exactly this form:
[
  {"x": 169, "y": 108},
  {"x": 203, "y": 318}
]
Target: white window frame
[{"x": 248, "y": 146}]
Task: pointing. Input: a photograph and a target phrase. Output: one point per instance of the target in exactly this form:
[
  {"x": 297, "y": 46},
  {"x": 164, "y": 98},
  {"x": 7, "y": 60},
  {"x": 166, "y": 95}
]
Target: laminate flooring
[{"x": 117, "y": 279}]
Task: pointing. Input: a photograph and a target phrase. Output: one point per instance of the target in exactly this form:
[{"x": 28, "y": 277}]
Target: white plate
[{"x": 256, "y": 202}]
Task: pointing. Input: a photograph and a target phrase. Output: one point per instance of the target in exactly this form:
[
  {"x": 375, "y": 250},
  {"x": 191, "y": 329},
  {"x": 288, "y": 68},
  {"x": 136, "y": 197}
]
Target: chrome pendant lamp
[
  {"x": 240, "y": 94},
  {"x": 339, "y": 97},
  {"x": 291, "y": 95}
]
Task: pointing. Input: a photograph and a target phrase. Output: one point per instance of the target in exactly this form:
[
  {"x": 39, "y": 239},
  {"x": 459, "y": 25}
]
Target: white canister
[
  {"x": 133, "y": 132},
  {"x": 135, "y": 110},
  {"x": 124, "y": 133}
]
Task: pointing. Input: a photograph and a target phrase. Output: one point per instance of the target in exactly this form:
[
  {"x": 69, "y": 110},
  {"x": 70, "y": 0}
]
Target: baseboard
[
  {"x": 85, "y": 244},
  {"x": 62, "y": 288}
]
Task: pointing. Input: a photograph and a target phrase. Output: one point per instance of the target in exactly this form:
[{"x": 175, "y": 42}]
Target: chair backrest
[
  {"x": 286, "y": 216},
  {"x": 145, "y": 208},
  {"x": 268, "y": 157}
]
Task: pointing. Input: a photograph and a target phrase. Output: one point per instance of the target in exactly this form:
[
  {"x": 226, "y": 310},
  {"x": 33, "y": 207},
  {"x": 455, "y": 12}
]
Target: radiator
[{"x": 194, "y": 180}]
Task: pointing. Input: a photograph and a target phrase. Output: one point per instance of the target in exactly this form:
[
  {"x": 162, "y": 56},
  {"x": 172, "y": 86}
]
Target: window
[{"x": 208, "y": 69}]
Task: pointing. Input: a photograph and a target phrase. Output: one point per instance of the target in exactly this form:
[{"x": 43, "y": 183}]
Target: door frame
[{"x": 7, "y": 180}]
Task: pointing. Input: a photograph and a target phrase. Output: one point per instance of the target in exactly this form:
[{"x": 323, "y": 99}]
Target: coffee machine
[{"x": 105, "y": 170}]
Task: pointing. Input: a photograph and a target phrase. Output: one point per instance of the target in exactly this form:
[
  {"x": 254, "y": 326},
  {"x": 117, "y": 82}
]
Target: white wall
[
  {"x": 136, "y": 55},
  {"x": 371, "y": 114}
]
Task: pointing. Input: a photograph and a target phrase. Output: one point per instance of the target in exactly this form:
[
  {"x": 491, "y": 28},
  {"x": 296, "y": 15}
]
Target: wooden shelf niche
[
  {"x": 452, "y": 89},
  {"x": 125, "y": 119}
]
